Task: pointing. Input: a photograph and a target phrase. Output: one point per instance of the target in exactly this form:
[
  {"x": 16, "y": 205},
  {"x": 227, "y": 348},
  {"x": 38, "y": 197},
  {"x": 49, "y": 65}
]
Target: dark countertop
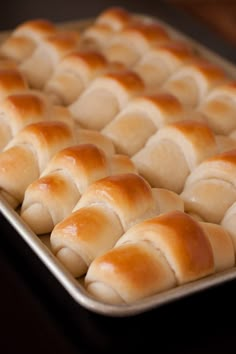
[{"x": 38, "y": 316}]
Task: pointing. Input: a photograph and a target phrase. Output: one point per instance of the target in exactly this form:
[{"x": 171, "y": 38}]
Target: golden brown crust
[
  {"x": 128, "y": 274},
  {"x": 115, "y": 17},
  {"x": 178, "y": 49},
  {"x": 46, "y": 138},
  {"x": 128, "y": 79},
  {"x": 18, "y": 168},
  {"x": 23, "y": 102},
  {"x": 141, "y": 118},
  {"x": 25, "y": 38},
  {"x": 128, "y": 195},
  {"x": 114, "y": 90},
  {"x": 65, "y": 178},
  {"x": 150, "y": 32},
  {"x": 87, "y": 232},
  {"x": 130, "y": 44},
  {"x": 63, "y": 41},
  {"x": 220, "y": 103},
  {"x": 11, "y": 80},
  {"x": 185, "y": 143},
  {"x": 89, "y": 59},
  {"x": 198, "y": 132},
  {"x": 211, "y": 188},
  {"x": 72, "y": 75},
  {"x": 42, "y": 27},
  {"x": 152, "y": 256},
  {"x": 85, "y": 161},
  {"x": 192, "y": 82},
  {"x": 182, "y": 241}
]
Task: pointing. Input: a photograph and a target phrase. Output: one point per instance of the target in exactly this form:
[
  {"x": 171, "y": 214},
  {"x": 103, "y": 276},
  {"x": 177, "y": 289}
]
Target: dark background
[{"x": 38, "y": 316}]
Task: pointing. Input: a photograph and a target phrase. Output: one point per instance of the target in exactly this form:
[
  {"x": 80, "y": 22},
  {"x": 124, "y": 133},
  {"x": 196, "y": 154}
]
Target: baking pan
[{"x": 41, "y": 245}]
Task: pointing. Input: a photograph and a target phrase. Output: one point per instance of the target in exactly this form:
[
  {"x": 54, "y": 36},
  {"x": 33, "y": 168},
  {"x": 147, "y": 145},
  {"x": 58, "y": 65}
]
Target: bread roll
[
  {"x": 87, "y": 136},
  {"x": 21, "y": 109},
  {"x": 7, "y": 64},
  {"x": 25, "y": 38},
  {"x": 73, "y": 74},
  {"x": 210, "y": 190},
  {"x": 116, "y": 18},
  {"x": 191, "y": 83},
  {"x": 96, "y": 37},
  {"x": 173, "y": 152},
  {"x": 140, "y": 119},
  {"x": 112, "y": 20},
  {"x": 130, "y": 44},
  {"x": 11, "y": 81},
  {"x": 28, "y": 153},
  {"x": 107, "y": 208},
  {"x": 105, "y": 97},
  {"x": 47, "y": 55},
  {"x": 51, "y": 198},
  {"x": 156, "y": 255},
  {"x": 228, "y": 222},
  {"x": 161, "y": 61},
  {"x": 219, "y": 108}
]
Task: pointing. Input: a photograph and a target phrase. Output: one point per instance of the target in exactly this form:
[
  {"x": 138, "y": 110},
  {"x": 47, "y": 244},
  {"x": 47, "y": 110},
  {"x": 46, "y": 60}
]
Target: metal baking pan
[{"x": 41, "y": 245}]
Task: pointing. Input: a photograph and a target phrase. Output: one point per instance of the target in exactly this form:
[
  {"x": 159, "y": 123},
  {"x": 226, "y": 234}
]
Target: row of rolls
[{"x": 119, "y": 142}]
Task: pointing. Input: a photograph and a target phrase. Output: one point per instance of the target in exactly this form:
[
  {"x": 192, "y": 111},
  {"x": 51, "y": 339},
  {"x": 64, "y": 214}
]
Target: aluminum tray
[{"x": 41, "y": 245}]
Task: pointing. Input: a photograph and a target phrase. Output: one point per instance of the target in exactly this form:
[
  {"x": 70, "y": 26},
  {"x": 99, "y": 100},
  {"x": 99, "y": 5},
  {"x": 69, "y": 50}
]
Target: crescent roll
[
  {"x": 156, "y": 255},
  {"x": 25, "y": 38},
  {"x": 106, "y": 95},
  {"x": 141, "y": 118},
  {"x": 173, "y": 152},
  {"x": 96, "y": 37},
  {"x": 228, "y": 223},
  {"x": 47, "y": 55},
  {"x": 27, "y": 154},
  {"x": 21, "y": 109},
  {"x": 131, "y": 43},
  {"x": 73, "y": 74},
  {"x": 110, "y": 21},
  {"x": 161, "y": 61},
  {"x": 11, "y": 81},
  {"x": 51, "y": 198},
  {"x": 108, "y": 207},
  {"x": 210, "y": 190},
  {"x": 116, "y": 18},
  {"x": 191, "y": 83},
  {"x": 219, "y": 108}
]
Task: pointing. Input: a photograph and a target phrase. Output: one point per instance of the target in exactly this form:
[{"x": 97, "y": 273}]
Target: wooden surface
[{"x": 219, "y": 15}]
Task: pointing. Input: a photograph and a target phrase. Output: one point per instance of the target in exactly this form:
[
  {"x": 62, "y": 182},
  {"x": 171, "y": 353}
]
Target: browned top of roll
[
  {"x": 150, "y": 32},
  {"x": 115, "y": 17},
  {"x": 128, "y": 194},
  {"x": 86, "y": 163},
  {"x": 63, "y": 40},
  {"x": 196, "y": 131},
  {"x": 11, "y": 79},
  {"x": 180, "y": 239},
  {"x": 41, "y": 26},
  {"x": 227, "y": 157},
  {"x": 178, "y": 49},
  {"x": 166, "y": 102},
  {"x": 90, "y": 59},
  {"x": 126, "y": 78},
  {"x": 210, "y": 70},
  {"x": 45, "y": 131},
  {"x": 22, "y": 104},
  {"x": 46, "y": 138}
]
